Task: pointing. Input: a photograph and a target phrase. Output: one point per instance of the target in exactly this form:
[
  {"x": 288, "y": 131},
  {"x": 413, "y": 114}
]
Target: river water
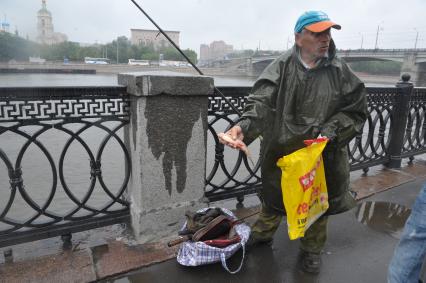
[
  {"x": 51, "y": 80},
  {"x": 38, "y": 80}
]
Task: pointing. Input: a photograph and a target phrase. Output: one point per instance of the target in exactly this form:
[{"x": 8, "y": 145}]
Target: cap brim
[{"x": 322, "y": 26}]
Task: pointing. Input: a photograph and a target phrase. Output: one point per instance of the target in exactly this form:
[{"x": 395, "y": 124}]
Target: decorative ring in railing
[{"x": 232, "y": 176}]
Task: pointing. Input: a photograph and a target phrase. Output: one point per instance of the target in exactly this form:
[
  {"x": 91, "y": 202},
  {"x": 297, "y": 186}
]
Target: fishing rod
[{"x": 186, "y": 57}]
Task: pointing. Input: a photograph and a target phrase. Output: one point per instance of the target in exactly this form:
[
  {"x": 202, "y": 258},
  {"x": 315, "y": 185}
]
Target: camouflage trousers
[{"x": 265, "y": 226}]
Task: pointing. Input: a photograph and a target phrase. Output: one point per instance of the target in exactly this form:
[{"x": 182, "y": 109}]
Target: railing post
[
  {"x": 166, "y": 139},
  {"x": 399, "y": 121}
]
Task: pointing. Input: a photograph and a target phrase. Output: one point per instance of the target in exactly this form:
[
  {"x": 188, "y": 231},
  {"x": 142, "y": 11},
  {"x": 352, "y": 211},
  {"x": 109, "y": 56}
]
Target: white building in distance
[
  {"x": 153, "y": 37},
  {"x": 45, "y": 31}
]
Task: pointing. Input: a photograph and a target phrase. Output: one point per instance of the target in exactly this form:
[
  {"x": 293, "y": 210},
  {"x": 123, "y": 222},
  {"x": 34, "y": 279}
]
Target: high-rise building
[
  {"x": 153, "y": 37},
  {"x": 45, "y": 31},
  {"x": 215, "y": 51},
  {"x": 204, "y": 52}
]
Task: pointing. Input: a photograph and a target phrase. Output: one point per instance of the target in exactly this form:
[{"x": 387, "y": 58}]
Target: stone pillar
[
  {"x": 417, "y": 71},
  {"x": 167, "y": 139}
]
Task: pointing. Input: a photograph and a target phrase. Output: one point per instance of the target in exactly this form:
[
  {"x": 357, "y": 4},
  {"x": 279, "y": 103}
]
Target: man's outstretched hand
[{"x": 232, "y": 138}]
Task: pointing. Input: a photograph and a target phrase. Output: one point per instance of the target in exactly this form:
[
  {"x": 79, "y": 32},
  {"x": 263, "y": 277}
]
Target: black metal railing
[
  {"x": 395, "y": 129},
  {"x": 369, "y": 149},
  {"x": 232, "y": 176},
  {"x": 415, "y": 133},
  {"x": 64, "y": 167}
]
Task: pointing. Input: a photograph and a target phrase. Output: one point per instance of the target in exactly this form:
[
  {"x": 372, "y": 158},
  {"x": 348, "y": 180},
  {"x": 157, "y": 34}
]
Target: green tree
[
  {"x": 191, "y": 55},
  {"x": 147, "y": 52},
  {"x": 58, "y": 52},
  {"x": 170, "y": 53},
  {"x": 124, "y": 49},
  {"x": 15, "y": 47},
  {"x": 89, "y": 51}
]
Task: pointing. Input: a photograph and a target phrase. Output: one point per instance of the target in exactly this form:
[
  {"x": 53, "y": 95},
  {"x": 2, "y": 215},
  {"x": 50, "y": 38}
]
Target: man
[
  {"x": 306, "y": 92},
  {"x": 410, "y": 252}
]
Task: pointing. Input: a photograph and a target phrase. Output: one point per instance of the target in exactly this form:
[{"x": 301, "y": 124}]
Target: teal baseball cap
[{"x": 314, "y": 21}]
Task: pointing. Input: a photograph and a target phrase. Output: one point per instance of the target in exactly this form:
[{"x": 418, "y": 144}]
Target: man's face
[{"x": 314, "y": 44}]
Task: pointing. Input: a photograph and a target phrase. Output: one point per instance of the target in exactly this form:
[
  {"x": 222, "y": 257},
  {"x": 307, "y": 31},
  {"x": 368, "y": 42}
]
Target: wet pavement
[
  {"x": 383, "y": 216},
  {"x": 359, "y": 246}
]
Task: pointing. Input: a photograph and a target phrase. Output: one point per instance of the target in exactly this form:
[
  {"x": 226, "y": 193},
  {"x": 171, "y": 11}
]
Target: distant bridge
[
  {"x": 397, "y": 55},
  {"x": 413, "y": 61}
]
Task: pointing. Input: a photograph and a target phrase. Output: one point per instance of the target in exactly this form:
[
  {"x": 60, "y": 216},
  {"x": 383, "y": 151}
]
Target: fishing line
[{"x": 186, "y": 57}]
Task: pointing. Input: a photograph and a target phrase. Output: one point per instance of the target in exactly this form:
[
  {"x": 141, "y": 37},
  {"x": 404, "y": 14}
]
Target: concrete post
[
  {"x": 417, "y": 71},
  {"x": 167, "y": 139},
  {"x": 410, "y": 67}
]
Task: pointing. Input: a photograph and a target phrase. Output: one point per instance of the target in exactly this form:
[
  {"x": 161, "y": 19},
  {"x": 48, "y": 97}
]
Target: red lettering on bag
[
  {"x": 307, "y": 180},
  {"x": 302, "y": 208},
  {"x": 315, "y": 191}
]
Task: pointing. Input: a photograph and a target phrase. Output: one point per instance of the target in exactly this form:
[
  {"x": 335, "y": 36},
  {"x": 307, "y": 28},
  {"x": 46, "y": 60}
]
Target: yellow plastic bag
[{"x": 303, "y": 186}]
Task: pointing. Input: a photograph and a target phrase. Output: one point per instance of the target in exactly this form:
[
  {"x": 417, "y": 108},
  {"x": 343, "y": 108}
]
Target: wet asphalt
[{"x": 359, "y": 247}]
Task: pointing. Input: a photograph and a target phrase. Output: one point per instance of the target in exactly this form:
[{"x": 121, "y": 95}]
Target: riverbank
[
  {"x": 45, "y": 71},
  {"x": 113, "y": 69},
  {"x": 109, "y": 256},
  {"x": 117, "y": 68}
]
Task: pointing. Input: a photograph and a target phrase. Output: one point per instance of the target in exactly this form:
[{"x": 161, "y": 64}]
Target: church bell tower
[{"x": 44, "y": 24}]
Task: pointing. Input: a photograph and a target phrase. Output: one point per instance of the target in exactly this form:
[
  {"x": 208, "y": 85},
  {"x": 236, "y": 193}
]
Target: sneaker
[{"x": 310, "y": 262}]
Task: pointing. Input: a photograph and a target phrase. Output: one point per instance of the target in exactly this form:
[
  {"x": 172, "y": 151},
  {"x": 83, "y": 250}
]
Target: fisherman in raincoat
[{"x": 306, "y": 92}]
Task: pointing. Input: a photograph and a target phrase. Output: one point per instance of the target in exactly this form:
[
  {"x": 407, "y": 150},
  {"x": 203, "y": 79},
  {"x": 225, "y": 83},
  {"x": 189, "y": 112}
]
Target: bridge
[{"x": 413, "y": 61}]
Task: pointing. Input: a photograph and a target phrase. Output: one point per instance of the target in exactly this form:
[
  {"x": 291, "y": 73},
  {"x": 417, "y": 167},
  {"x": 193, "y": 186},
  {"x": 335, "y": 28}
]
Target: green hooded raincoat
[{"x": 289, "y": 103}]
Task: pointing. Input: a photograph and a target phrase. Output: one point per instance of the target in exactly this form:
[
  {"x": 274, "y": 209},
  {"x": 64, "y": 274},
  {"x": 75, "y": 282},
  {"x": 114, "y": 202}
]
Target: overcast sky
[{"x": 245, "y": 24}]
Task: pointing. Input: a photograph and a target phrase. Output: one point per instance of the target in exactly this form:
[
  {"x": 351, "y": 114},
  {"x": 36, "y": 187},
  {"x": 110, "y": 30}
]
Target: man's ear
[{"x": 297, "y": 39}]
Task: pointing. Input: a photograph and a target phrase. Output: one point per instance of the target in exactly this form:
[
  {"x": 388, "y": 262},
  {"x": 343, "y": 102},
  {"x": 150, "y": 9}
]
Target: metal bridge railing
[
  {"x": 415, "y": 134},
  {"x": 64, "y": 167}
]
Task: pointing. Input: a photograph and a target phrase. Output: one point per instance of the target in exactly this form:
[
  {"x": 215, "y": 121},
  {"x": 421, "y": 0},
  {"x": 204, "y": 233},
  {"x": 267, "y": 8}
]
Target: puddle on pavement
[{"x": 384, "y": 217}]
